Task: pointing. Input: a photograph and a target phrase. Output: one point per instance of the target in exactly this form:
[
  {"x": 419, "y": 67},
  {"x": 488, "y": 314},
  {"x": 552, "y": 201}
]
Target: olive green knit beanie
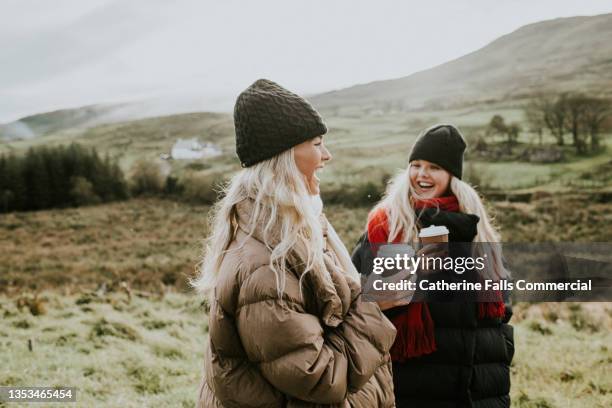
[{"x": 269, "y": 119}]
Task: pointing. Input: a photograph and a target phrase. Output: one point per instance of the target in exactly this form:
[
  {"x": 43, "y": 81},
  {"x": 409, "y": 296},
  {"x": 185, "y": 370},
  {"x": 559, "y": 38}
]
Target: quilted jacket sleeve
[
  {"x": 299, "y": 355},
  {"x": 366, "y": 335}
]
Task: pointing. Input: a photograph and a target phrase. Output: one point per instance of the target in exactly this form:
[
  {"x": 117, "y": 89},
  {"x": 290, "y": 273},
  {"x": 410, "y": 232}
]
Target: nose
[{"x": 327, "y": 156}]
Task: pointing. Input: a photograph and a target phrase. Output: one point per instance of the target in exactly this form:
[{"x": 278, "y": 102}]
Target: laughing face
[
  {"x": 310, "y": 157},
  {"x": 428, "y": 179}
]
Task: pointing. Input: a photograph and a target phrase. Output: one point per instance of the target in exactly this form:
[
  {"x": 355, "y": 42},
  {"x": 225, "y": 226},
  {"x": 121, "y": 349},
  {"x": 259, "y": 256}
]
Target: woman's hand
[
  {"x": 387, "y": 299},
  {"x": 390, "y": 304}
]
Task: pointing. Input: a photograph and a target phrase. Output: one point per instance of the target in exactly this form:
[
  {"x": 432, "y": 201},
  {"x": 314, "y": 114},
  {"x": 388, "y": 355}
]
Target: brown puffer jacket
[{"x": 324, "y": 349}]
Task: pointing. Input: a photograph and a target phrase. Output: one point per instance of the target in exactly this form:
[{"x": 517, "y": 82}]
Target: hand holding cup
[{"x": 435, "y": 245}]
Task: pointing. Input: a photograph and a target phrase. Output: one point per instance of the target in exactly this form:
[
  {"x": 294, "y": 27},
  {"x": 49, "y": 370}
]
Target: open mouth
[
  {"x": 425, "y": 186},
  {"x": 316, "y": 173}
]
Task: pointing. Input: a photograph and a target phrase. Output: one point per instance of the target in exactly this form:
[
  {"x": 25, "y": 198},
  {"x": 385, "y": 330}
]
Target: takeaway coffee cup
[{"x": 434, "y": 234}]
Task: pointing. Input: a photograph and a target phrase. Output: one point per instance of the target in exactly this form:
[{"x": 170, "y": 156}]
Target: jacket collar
[{"x": 332, "y": 292}]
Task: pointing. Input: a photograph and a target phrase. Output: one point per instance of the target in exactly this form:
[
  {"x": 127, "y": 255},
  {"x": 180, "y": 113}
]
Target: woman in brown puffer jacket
[{"x": 287, "y": 326}]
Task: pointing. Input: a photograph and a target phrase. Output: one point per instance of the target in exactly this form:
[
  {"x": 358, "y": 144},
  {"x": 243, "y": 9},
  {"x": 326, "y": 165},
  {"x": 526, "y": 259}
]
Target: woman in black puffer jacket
[{"x": 451, "y": 353}]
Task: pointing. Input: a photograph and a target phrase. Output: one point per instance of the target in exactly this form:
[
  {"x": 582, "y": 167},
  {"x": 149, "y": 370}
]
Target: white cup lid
[{"x": 433, "y": 231}]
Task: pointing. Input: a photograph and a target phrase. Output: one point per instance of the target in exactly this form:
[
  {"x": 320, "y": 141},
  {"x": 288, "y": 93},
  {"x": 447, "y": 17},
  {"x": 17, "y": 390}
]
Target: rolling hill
[
  {"x": 565, "y": 54},
  {"x": 48, "y": 122},
  {"x": 83, "y": 117},
  {"x": 132, "y": 140},
  {"x": 372, "y": 125}
]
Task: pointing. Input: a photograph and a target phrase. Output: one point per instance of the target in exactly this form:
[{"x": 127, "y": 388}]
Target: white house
[{"x": 189, "y": 149}]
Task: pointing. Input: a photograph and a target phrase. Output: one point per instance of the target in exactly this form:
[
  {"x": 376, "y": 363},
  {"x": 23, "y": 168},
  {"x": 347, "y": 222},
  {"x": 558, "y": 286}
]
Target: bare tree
[
  {"x": 580, "y": 115},
  {"x": 497, "y": 126},
  {"x": 596, "y": 110},
  {"x": 535, "y": 116},
  {"x": 554, "y": 117},
  {"x": 513, "y": 130},
  {"x": 574, "y": 106}
]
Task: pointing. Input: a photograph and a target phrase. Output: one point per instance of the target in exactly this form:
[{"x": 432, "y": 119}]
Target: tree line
[
  {"x": 57, "y": 177},
  {"x": 578, "y": 115}
]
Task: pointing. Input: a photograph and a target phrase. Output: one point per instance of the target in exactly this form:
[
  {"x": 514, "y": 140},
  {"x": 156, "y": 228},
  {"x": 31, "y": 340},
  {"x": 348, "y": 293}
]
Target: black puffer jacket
[{"x": 471, "y": 366}]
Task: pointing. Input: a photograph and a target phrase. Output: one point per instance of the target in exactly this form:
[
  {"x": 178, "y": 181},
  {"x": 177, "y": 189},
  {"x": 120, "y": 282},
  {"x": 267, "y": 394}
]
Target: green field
[
  {"x": 148, "y": 350},
  {"x": 365, "y": 147}
]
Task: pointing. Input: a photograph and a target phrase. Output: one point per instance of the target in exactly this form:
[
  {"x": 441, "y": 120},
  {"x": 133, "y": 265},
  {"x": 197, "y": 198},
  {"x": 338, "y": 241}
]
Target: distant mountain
[
  {"x": 45, "y": 123},
  {"x": 132, "y": 140},
  {"x": 565, "y": 54},
  {"x": 84, "y": 117},
  {"x": 573, "y": 54}
]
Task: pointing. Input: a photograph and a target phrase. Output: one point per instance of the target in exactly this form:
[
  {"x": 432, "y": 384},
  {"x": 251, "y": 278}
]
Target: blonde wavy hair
[
  {"x": 398, "y": 203},
  {"x": 281, "y": 204}
]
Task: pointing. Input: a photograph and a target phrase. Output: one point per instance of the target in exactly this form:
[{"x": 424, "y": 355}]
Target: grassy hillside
[
  {"x": 565, "y": 54},
  {"x": 148, "y": 350},
  {"x": 117, "y": 351},
  {"x": 139, "y": 139},
  {"x": 100, "y": 294},
  {"x": 149, "y": 243},
  {"x": 365, "y": 147},
  {"x": 372, "y": 126},
  {"x": 44, "y": 123}
]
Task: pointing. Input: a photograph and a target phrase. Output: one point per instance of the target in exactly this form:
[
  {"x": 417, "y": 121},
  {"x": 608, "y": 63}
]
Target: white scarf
[
  {"x": 334, "y": 241},
  {"x": 316, "y": 203}
]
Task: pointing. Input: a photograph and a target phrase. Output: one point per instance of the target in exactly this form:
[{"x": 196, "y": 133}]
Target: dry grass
[
  {"x": 149, "y": 351},
  {"x": 150, "y": 243},
  {"x": 142, "y": 242},
  {"x": 559, "y": 363},
  {"x": 568, "y": 218},
  {"x": 108, "y": 348},
  {"x": 141, "y": 342}
]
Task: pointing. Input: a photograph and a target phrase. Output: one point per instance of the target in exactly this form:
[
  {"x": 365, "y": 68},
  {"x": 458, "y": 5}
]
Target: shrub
[
  {"x": 82, "y": 191},
  {"x": 201, "y": 189},
  {"x": 172, "y": 186},
  {"x": 539, "y": 328},
  {"x": 116, "y": 329},
  {"x": 146, "y": 379},
  {"x": 22, "y": 324},
  {"x": 146, "y": 178}
]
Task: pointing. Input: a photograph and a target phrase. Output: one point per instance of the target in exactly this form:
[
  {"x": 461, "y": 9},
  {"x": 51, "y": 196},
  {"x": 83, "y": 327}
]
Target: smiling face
[
  {"x": 311, "y": 156},
  {"x": 428, "y": 179}
]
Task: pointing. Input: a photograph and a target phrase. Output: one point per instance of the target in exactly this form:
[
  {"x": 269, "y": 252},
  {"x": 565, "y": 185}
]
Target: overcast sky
[{"x": 67, "y": 53}]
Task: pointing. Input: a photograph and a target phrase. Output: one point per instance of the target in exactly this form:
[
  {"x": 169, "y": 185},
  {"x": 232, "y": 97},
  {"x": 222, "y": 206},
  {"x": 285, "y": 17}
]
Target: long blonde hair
[
  {"x": 279, "y": 193},
  {"x": 398, "y": 204}
]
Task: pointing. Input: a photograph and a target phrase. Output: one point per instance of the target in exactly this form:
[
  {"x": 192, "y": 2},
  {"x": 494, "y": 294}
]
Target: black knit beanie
[
  {"x": 443, "y": 145},
  {"x": 270, "y": 119}
]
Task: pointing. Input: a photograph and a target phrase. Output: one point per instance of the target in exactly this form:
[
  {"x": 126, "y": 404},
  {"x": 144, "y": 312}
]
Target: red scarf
[
  {"x": 415, "y": 327},
  {"x": 449, "y": 203}
]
